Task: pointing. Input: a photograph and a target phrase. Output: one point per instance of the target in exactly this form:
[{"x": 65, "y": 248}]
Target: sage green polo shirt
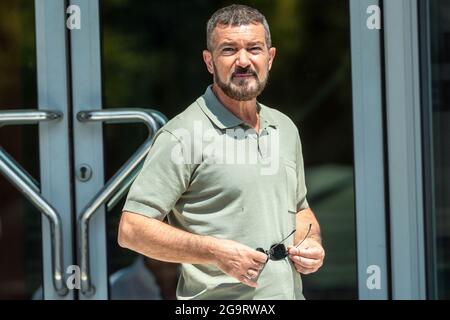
[{"x": 212, "y": 174}]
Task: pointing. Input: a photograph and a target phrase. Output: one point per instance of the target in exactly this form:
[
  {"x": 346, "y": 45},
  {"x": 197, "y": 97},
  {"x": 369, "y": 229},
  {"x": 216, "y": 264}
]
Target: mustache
[{"x": 244, "y": 71}]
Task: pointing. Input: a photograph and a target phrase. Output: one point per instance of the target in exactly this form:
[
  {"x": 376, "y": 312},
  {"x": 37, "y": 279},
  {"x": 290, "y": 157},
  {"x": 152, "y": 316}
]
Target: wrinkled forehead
[{"x": 249, "y": 33}]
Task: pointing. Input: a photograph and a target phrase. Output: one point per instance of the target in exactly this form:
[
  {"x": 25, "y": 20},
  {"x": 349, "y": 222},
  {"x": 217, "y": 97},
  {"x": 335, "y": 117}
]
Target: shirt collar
[
  {"x": 224, "y": 118},
  {"x": 265, "y": 116}
]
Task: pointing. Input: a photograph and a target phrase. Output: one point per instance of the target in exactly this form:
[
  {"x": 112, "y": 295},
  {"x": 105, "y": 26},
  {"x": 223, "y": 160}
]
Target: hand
[
  {"x": 308, "y": 257},
  {"x": 239, "y": 261}
]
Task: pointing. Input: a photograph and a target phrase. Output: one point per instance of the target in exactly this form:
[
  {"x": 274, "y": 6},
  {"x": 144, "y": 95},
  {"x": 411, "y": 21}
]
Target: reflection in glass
[
  {"x": 436, "y": 113},
  {"x": 20, "y": 223}
]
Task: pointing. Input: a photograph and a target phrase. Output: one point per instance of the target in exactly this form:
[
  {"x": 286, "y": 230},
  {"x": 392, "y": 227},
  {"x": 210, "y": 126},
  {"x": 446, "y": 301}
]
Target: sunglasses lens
[
  {"x": 261, "y": 250},
  {"x": 278, "y": 252}
]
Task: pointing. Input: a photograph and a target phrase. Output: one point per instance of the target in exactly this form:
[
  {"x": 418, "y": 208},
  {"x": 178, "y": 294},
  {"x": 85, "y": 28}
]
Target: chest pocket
[{"x": 291, "y": 185}]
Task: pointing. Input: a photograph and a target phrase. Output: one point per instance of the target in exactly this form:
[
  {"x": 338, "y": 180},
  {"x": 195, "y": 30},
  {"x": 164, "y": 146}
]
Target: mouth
[{"x": 243, "y": 75}]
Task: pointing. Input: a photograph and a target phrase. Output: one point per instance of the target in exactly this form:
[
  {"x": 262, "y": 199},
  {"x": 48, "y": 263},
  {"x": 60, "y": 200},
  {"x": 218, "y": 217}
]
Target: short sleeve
[
  {"x": 161, "y": 181},
  {"x": 302, "y": 202}
]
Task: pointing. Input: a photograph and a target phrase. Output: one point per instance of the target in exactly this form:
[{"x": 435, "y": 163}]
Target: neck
[{"x": 244, "y": 110}]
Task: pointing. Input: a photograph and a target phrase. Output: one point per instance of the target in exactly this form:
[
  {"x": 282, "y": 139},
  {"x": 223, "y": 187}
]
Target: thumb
[{"x": 292, "y": 250}]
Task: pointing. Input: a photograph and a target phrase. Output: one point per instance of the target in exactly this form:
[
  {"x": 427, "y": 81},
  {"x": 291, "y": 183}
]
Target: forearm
[
  {"x": 158, "y": 240},
  {"x": 304, "y": 218}
]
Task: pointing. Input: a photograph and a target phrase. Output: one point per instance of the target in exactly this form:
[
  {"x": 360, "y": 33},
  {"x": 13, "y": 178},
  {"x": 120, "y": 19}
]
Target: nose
[{"x": 242, "y": 59}]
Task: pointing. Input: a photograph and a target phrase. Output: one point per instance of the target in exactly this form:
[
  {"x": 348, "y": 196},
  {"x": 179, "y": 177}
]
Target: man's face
[{"x": 240, "y": 60}]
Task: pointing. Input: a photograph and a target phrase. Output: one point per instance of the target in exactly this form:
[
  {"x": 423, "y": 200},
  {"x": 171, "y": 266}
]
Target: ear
[
  {"x": 207, "y": 57},
  {"x": 272, "y": 53}
]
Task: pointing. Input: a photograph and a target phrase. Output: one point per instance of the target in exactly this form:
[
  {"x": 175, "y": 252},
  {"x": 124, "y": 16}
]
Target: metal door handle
[
  {"x": 162, "y": 120},
  {"x": 151, "y": 119},
  {"x": 9, "y": 117},
  {"x": 20, "y": 178}
]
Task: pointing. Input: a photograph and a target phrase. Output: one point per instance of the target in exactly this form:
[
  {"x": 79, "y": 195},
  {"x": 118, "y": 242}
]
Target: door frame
[
  {"x": 369, "y": 153},
  {"x": 54, "y": 143},
  {"x": 88, "y": 138},
  {"x": 390, "y": 231},
  {"x": 388, "y": 150},
  {"x": 404, "y": 133}
]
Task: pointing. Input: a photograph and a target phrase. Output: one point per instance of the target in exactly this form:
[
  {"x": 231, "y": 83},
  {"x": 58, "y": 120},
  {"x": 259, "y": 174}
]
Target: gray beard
[{"x": 242, "y": 92}]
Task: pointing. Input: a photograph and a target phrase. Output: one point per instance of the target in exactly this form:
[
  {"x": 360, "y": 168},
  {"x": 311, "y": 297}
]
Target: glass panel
[
  {"x": 436, "y": 61},
  {"x": 20, "y": 222},
  {"x": 152, "y": 57}
]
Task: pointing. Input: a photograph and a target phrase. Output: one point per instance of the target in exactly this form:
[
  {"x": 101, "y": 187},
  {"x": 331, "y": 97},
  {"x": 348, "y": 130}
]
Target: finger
[
  {"x": 252, "y": 273},
  {"x": 303, "y": 270},
  {"x": 245, "y": 280},
  {"x": 257, "y": 266},
  {"x": 311, "y": 252},
  {"x": 306, "y": 262},
  {"x": 259, "y": 257},
  {"x": 293, "y": 250},
  {"x": 306, "y": 270},
  {"x": 310, "y": 249}
]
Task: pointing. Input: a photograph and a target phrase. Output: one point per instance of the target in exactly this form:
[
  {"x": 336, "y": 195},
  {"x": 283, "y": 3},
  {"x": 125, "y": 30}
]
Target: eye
[
  {"x": 228, "y": 50},
  {"x": 255, "y": 49}
]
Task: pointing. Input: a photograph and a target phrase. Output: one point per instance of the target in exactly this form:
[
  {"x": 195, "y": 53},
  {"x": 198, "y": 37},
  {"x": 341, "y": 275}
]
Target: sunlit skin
[{"x": 234, "y": 49}]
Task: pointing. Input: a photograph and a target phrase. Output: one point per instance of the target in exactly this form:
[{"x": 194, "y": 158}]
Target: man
[{"x": 223, "y": 209}]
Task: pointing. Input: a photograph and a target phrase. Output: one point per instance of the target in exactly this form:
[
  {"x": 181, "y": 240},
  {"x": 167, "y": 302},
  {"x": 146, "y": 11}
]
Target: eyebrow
[
  {"x": 255, "y": 43},
  {"x": 232, "y": 43},
  {"x": 227, "y": 43}
]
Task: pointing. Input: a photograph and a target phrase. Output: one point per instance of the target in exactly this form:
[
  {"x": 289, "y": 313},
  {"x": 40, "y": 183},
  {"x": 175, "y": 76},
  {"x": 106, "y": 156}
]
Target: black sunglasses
[{"x": 278, "y": 251}]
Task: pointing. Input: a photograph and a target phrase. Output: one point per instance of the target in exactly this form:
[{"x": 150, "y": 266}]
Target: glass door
[
  {"x": 52, "y": 186},
  {"x": 81, "y": 100},
  {"x": 147, "y": 55},
  {"x": 435, "y": 60},
  {"x": 36, "y": 236},
  {"x": 129, "y": 126}
]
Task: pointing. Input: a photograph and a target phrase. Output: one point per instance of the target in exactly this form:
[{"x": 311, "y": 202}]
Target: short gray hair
[{"x": 236, "y": 15}]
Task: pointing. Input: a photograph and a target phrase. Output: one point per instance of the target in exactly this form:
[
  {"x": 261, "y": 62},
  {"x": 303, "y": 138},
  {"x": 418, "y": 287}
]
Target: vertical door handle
[
  {"x": 26, "y": 185},
  {"x": 153, "y": 120}
]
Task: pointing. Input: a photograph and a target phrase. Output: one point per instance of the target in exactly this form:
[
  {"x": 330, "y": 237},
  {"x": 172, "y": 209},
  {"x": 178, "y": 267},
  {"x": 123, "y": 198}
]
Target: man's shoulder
[
  {"x": 279, "y": 118},
  {"x": 186, "y": 120}
]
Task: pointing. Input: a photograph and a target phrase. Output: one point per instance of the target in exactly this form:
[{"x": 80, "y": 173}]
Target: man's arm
[
  {"x": 304, "y": 219},
  {"x": 309, "y": 255},
  {"x": 158, "y": 240}
]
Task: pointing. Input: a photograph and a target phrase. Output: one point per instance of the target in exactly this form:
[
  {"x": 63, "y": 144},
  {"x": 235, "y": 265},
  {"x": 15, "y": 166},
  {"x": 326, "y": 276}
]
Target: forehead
[{"x": 248, "y": 33}]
